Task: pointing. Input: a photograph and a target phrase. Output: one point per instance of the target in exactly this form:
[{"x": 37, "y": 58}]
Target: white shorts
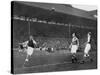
[
  {"x": 87, "y": 48},
  {"x": 74, "y": 48},
  {"x": 30, "y": 51}
]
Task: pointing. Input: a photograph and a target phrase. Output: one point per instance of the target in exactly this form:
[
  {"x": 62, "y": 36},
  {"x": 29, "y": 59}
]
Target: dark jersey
[
  {"x": 74, "y": 41},
  {"x": 90, "y": 41},
  {"x": 31, "y": 44}
]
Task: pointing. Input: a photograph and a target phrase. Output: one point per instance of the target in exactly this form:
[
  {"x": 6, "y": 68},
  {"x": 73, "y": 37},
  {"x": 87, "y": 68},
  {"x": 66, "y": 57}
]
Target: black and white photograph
[{"x": 51, "y": 37}]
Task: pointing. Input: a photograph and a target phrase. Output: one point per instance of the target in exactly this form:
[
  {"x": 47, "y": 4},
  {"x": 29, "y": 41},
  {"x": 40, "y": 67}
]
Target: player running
[{"x": 74, "y": 47}]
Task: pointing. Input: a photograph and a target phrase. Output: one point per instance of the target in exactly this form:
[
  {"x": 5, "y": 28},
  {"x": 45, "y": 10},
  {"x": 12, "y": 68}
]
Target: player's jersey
[
  {"x": 89, "y": 39},
  {"x": 74, "y": 41},
  {"x": 31, "y": 43}
]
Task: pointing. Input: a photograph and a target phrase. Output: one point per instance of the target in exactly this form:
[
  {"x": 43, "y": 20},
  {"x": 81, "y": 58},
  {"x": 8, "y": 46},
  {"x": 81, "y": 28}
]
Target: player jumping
[{"x": 29, "y": 47}]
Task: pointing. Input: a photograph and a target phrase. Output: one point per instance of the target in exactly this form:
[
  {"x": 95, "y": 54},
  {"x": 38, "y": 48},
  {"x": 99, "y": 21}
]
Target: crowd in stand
[{"x": 58, "y": 43}]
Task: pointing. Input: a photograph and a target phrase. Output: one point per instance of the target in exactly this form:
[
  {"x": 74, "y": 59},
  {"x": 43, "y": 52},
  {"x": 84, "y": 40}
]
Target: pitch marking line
[{"x": 48, "y": 65}]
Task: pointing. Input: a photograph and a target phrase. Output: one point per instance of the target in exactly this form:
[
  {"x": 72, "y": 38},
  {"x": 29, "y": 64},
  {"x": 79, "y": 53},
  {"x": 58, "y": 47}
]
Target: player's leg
[
  {"x": 73, "y": 51},
  {"x": 74, "y": 58},
  {"x": 88, "y": 56},
  {"x": 28, "y": 50},
  {"x": 87, "y": 49},
  {"x": 27, "y": 58},
  {"x": 86, "y": 53}
]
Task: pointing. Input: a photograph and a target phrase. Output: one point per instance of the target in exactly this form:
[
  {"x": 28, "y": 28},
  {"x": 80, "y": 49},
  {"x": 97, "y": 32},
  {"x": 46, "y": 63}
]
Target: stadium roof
[
  {"x": 94, "y": 12},
  {"x": 62, "y": 8}
]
